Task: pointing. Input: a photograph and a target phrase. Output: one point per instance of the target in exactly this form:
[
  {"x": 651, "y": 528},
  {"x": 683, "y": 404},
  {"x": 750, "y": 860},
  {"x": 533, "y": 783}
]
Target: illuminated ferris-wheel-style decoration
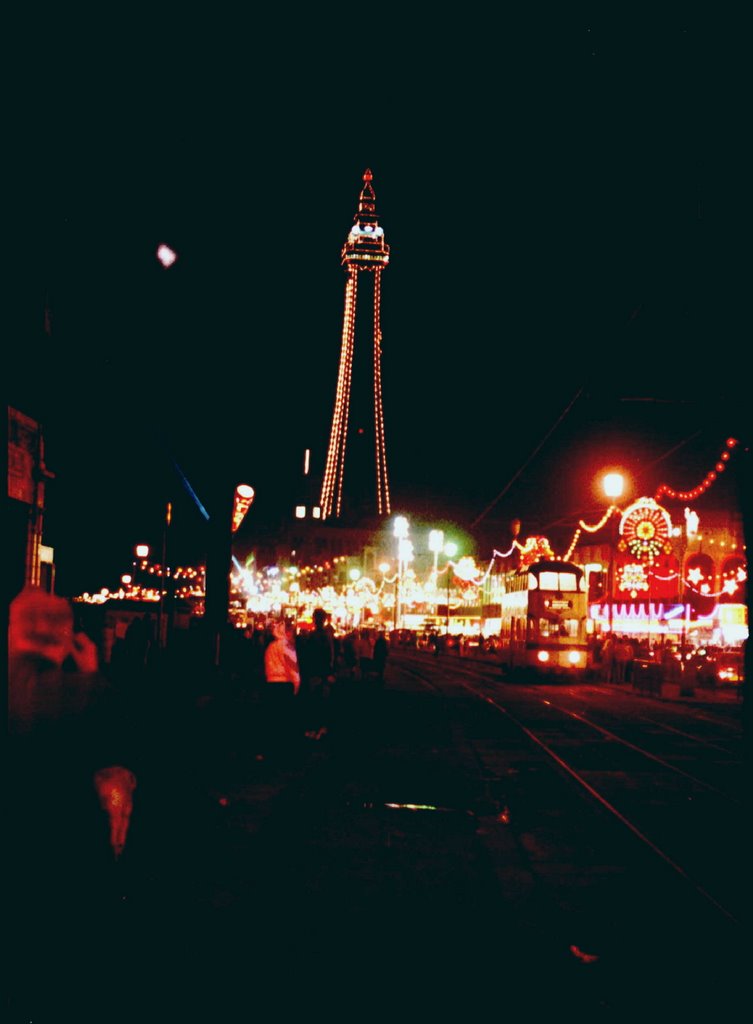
[{"x": 645, "y": 529}]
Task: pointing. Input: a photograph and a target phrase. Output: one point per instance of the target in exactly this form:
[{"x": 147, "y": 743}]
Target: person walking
[
  {"x": 380, "y": 655},
  {"x": 318, "y": 671},
  {"x": 70, "y": 760},
  {"x": 283, "y": 681},
  {"x": 365, "y": 652}
]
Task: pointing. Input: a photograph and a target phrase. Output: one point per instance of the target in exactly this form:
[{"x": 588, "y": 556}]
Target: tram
[{"x": 543, "y": 612}]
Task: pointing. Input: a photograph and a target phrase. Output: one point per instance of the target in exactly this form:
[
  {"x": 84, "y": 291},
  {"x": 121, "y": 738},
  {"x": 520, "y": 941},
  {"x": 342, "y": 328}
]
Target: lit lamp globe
[
  {"x": 614, "y": 484},
  {"x": 142, "y": 550},
  {"x": 436, "y": 540},
  {"x": 400, "y": 527}
]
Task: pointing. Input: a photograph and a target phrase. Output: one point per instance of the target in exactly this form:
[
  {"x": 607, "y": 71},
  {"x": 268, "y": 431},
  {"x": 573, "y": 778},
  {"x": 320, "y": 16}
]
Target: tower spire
[{"x": 364, "y": 250}]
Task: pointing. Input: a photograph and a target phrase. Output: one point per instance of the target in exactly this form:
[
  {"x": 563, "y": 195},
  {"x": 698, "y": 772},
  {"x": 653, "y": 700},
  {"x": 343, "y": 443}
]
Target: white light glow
[{"x": 166, "y": 256}]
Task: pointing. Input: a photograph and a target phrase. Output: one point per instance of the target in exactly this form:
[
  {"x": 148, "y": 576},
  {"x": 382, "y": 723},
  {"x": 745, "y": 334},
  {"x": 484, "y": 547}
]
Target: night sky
[{"x": 569, "y": 213}]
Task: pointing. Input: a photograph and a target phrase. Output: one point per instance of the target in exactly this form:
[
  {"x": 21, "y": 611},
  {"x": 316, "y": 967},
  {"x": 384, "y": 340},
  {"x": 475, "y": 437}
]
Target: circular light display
[{"x": 645, "y": 529}]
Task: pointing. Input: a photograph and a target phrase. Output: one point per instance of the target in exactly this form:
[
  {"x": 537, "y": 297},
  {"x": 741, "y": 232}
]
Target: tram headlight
[
  {"x": 573, "y": 657},
  {"x": 543, "y": 655}
]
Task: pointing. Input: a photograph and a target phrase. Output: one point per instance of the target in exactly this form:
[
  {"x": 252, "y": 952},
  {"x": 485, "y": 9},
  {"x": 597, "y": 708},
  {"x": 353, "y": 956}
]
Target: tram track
[{"x": 618, "y": 799}]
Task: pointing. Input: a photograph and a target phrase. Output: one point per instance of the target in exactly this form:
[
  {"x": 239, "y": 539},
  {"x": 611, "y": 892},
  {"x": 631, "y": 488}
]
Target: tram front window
[{"x": 558, "y": 581}]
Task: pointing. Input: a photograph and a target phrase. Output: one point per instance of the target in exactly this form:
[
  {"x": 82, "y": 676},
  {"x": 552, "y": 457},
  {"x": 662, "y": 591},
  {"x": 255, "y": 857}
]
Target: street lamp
[
  {"x": 400, "y": 532},
  {"x": 142, "y": 553},
  {"x": 163, "y": 614},
  {"x": 689, "y": 533},
  {"x": 450, "y": 549},
  {"x": 436, "y": 540},
  {"x": 613, "y": 484}
]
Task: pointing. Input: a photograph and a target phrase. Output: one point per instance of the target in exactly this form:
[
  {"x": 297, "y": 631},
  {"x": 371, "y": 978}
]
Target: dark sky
[{"x": 569, "y": 211}]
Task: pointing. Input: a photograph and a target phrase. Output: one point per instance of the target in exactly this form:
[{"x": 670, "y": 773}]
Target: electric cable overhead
[{"x": 530, "y": 458}]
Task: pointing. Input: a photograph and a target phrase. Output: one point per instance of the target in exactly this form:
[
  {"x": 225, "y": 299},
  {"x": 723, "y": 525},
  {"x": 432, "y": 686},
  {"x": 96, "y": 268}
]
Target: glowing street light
[
  {"x": 613, "y": 484},
  {"x": 436, "y": 541},
  {"x": 450, "y": 549},
  {"x": 400, "y": 529},
  {"x": 142, "y": 553}
]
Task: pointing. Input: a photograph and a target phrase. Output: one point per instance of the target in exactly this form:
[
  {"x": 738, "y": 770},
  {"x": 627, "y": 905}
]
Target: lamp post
[
  {"x": 384, "y": 568},
  {"x": 400, "y": 532},
  {"x": 436, "y": 540},
  {"x": 163, "y": 613},
  {"x": 613, "y": 486},
  {"x": 142, "y": 553},
  {"x": 686, "y": 536},
  {"x": 450, "y": 549}
]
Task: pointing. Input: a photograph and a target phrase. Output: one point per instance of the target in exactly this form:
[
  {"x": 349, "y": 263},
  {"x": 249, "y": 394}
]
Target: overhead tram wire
[
  {"x": 593, "y": 509},
  {"x": 530, "y": 458}
]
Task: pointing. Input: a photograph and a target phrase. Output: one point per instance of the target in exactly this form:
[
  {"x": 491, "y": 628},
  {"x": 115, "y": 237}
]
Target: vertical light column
[
  {"x": 345, "y": 418},
  {"x": 335, "y": 453},
  {"x": 382, "y": 485}
]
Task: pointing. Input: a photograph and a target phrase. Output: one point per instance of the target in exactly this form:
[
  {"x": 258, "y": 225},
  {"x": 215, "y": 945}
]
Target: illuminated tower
[{"x": 364, "y": 250}]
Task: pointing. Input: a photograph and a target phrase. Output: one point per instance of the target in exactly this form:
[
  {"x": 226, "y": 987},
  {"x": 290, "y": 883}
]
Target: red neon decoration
[{"x": 706, "y": 483}]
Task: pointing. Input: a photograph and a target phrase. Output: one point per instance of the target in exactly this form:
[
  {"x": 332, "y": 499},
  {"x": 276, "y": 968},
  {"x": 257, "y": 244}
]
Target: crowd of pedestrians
[{"x": 105, "y": 762}]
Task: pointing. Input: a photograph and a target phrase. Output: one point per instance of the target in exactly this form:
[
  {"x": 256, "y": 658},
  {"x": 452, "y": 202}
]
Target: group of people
[
  {"x": 295, "y": 673},
  {"x": 616, "y": 655},
  {"x": 73, "y": 770},
  {"x": 86, "y": 747}
]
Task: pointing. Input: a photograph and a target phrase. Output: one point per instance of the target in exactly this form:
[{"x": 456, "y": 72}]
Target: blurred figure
[
  {"x": 283, "y": 681},
  {"x": 138, "y": 642},
  {"x": 607, "y": 658},
  {"x": 365, "y": 652},
  {"x": 623, "y": 657},
  {"x": 318, "y": 672},
  {"x": 380, "y": 655},
  {"x": 350, "y": 658},
  {"x": 69, "y": 795}
]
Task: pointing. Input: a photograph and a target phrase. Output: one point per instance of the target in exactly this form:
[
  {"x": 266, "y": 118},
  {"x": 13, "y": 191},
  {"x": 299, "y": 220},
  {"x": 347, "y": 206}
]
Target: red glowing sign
[{"x": 244, "y": 495}]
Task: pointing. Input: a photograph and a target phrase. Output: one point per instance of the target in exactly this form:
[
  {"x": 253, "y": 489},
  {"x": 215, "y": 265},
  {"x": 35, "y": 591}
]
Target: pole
[
  {"x": 610, "y": 593},
  {"x": 162, "y": 614},
  {"x": 217, "y": 586},
  {"x": 398, "y": 580},
  {"x": 449, "y": 577},
  {"x": 682, "y": 595}
]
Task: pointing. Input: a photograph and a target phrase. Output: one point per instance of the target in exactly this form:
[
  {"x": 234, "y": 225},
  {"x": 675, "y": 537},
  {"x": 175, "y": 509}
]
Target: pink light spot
[{"x": 166, "y": 256}]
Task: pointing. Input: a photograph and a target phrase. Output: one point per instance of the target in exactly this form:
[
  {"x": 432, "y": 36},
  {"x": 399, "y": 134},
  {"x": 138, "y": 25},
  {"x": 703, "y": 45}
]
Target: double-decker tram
[{"x": 543, "y": 610}]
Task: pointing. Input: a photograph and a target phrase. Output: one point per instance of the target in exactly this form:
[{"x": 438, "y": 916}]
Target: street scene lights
[
  {"x": 613, "y": 484},
  {"x": 450, "y": 549}
]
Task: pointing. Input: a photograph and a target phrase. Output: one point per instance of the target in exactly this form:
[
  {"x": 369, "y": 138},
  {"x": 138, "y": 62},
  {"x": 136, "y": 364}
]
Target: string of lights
[{"x": 708, "y": 480}]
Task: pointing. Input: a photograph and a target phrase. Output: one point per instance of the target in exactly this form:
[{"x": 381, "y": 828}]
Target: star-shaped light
[
  {"x": 729, "y": 586},
  {"x": 695, "y": 576}
]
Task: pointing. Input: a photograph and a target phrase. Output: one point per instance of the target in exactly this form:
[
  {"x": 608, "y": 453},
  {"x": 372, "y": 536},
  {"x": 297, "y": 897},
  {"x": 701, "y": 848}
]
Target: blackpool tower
[{"x": 358, "y": 425}]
